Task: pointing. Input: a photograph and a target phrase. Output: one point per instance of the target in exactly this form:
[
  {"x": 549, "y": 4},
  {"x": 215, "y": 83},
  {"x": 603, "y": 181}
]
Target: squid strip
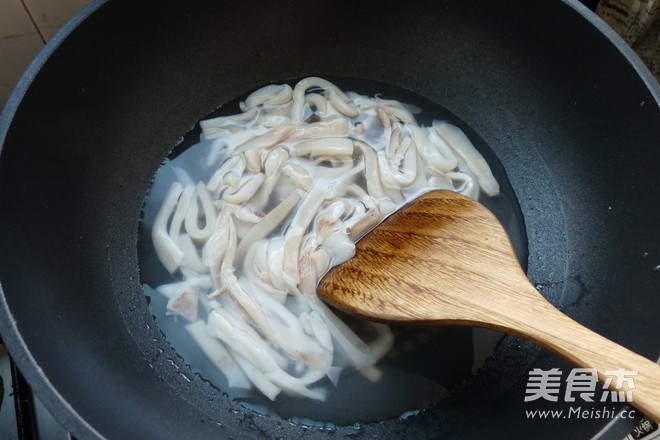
[
  {"x": 192, "y": 215},
  {"x": 218, "y": 355},
  {"x": 460, "y": 143},
  {"x": 168, "y": 252}
]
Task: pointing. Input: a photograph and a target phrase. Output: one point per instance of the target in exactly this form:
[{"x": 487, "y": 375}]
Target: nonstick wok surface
[{"x": 572, "y": 115}]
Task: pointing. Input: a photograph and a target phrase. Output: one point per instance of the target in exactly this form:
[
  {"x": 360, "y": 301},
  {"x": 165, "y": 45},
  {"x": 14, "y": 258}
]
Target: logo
[
  {"x": 581, "y": 383},
  {"x": 580, "y": 387}
]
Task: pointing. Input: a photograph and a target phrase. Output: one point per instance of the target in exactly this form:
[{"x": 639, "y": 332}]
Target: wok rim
[{"x": 18, "y": 350}]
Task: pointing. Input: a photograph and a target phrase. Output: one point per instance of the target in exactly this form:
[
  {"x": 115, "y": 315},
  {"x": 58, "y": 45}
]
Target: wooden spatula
[{"x": 444, "y": 259}]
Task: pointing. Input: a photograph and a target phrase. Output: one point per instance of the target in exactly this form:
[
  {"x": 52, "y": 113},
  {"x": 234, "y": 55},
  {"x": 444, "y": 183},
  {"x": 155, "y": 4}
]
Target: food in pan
[{"x": 277, "y": 195}]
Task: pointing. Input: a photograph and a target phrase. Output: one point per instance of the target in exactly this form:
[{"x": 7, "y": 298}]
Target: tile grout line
[{"x": 34, "y": 23}]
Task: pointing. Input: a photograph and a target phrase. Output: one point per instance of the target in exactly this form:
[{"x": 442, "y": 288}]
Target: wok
[{"x": 570, "y": 112}]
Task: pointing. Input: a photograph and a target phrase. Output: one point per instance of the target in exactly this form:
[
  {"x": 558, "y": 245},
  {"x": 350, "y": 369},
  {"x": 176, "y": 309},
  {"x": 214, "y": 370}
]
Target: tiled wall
[{"x": 25, "y": 27}]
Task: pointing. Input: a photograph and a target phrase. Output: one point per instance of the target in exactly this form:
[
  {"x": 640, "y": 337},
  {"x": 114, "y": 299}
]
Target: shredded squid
[{"x": 295, "y": 180}]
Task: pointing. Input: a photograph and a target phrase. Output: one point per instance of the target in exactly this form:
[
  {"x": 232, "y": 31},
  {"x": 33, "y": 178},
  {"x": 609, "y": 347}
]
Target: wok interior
[
  {"x": 574, "y": 126},
  {"x": 420, "y": 367}
]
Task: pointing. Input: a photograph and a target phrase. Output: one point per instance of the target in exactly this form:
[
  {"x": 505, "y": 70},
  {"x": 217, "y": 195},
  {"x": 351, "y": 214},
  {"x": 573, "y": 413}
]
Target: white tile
[
  {"x": 51, "y": 15},
  {"x": 14, "y": 19},
  {"x": 16, "y": 54},
  {"x": 19, "y": 43}
]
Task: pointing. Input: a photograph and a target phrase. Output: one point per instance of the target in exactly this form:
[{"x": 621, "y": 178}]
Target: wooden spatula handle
[
  {"x": 587, "y": 349},
  {"x": 446, "y": 260}
]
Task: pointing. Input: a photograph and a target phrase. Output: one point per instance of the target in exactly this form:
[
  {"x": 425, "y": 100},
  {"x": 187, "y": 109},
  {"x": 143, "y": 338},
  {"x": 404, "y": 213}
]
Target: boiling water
[{"x": 424, "y": 364}]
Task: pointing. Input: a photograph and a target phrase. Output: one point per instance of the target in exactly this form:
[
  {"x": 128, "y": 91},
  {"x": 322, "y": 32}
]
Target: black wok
[{"x": 572, "y": 115}]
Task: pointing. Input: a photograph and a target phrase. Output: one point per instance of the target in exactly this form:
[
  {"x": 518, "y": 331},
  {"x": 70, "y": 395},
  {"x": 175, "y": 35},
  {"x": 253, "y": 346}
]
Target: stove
[{"x": 22, "y": 415}]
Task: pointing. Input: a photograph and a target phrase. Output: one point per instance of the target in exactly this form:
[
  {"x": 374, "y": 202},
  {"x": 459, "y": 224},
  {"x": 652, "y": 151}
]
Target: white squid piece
[
  {"x": 460, "y": 143},
  {"x": 192, "y": 215},
  {"x": 226, "y": 124},
  {"x": 168, "y": 252},
  {"x": 274, "y": 94},
  {"x": 339, "y": 99}
]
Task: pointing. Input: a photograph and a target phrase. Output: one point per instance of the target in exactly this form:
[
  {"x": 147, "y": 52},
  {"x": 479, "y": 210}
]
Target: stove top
[{"x": 22, "y": 415}]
